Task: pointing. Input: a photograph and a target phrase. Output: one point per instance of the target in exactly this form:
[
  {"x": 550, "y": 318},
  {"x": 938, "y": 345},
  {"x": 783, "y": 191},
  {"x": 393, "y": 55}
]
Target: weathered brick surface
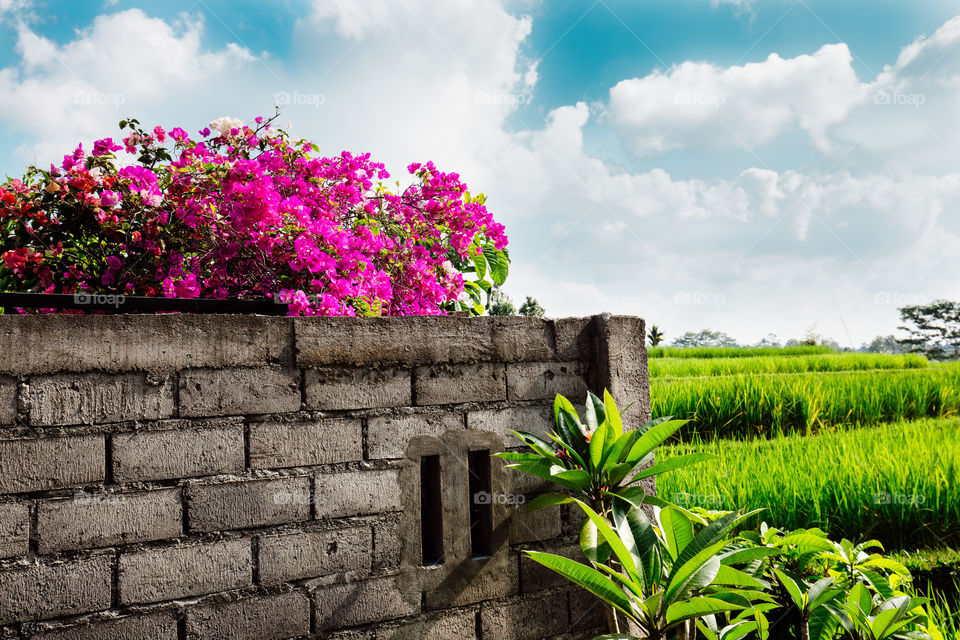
[
  {"x": 100, "y": 520},
  {"x": 542, "y": 524},
  {"x": 156, "y": 626},
  {"x": 276, "y": 445},
  {"x": 156, "y": 343},
  {"x": 43, "y": 592},
  {"x": 387, "y": 545},
  {"x": 389, "y": 341},
  {"x": 314, "y": 554},
  {"x": 586, "y": 611},
  {"x": 49, "y": 463},
  {"x": 536, "y": 577},
  {"x": 65, "y": 399},
  {"x": 529, "y": 619},
  {"x": 276, "y": 617},
  {"x": 544, "y": 380},
  {"x": 204, "y": 449},
  {"x": 222, "y": 392},
  {"x": 574, "y": 338},
  {"x": 356, "y": 603},
  {"x": 534, "y": 419},
  {"x": 339, "y": 495},
  {"x": 335, "y": 388},
  {"x": 14, "y": 529},
  {"x": 251, "y": 503},
  {"x": 455, "y": 626},
  {"x": 8, "y": 400},
  {"x": 177, "y": 572},
  {"x": 448, "y": 384},
  {"x": 518, "y": 339},
  {"x": 388, "y": 436}
]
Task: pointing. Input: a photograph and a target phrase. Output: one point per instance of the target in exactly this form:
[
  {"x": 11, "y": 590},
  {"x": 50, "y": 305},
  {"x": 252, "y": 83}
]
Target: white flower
[
  {"x": 96, "y": 173},
  {"x": 449, "y": 268},
  {"x": 225, "y": 124}
]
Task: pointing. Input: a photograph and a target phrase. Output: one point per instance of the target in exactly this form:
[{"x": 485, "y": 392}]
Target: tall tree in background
[
  {"x": 655, "y": 335},
  {"x": 934, "y": 329},
  {"x": 705, "y": 338},
  {"x": 501, "y": 304},
  {"x": 532, "y": 309}
]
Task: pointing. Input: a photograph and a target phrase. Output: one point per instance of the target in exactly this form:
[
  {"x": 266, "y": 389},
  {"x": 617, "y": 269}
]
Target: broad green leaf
[
  {"x": 578, "y": 477},
  {"x": 670, "y": 464},
  {"x": 616, "y": 544},
  {"x": 586, "y": 577},
  {"x": 793, "y": 589},
  {"x": 732, "y": 577},
  {"x": 746, "y": 555},
  {"x": 593, "y": 413},
  {"x": 612, "y": 414},
  {"x": 596, "y": 550},
  {"x": 653, "y": 438},
  {"x": 542, "y": 470},
  {"x": 597, "y": 441},
  {"x": 560, "y": 402},
  {"x": 697, "y": 608},
  {"x": 693, "y": 574},
  {"x": 548, "y": 500},
  {"x": 676, "y": 529},
  {"x": 806, "y": 541}
]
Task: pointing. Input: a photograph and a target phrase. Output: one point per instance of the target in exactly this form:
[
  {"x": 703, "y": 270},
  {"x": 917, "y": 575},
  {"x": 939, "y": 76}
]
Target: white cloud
[{"x": 697, "y": 104}]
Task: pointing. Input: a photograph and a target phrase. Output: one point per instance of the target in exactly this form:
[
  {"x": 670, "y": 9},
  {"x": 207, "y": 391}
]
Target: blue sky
[{"x": 756, "y": 167}]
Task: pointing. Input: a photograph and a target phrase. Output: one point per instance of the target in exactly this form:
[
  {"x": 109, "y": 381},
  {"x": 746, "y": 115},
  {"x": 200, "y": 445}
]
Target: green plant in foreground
[
  {"x": 864, "y": 619},
  {"x": 597, "y": 459}
]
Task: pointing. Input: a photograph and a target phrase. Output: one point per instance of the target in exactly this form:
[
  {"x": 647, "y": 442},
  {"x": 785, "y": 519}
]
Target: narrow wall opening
[
  {"x": 481, "y": 504},
  {"x": 431, "y": 511}
]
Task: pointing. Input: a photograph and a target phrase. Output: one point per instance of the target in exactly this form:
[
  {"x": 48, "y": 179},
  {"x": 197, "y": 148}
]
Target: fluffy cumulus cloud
[
  {"x": 698, "y": 103},
  {"x": 832, "y": 242},
  {"x": 125, "y": 62}
]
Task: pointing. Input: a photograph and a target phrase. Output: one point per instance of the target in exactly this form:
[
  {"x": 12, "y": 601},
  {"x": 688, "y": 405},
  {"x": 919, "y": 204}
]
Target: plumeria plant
[{"x": 248, "y": 212}]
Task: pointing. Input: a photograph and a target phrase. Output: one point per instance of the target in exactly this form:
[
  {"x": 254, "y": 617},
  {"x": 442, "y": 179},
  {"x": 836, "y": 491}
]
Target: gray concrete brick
[
  {"x": 536, "y": 577},
  {"x": 519, "y": 339},
  {"x": 94, "y": 398},
  {"x": 534, "y": 419},
  {"x": 251, "y": 503},
  {"x": 527, "y": 619},
  {"x": 155, "y": 626},
  {"x": 449, "y": 384},
  {"x": 460, "y": 625},
  {"x": 411, "y": 340},
  {"x": 389, "y": 436},
  {"x": 527, "y": 526},
  {"x": 589, "y": 612},
  {"x": 544, "y": 380},
  {"x": 8, "y": 400},
  {"x": 14, "y": 529},
  {"x": 99, "y": 520},
  {"x": 156, "y": 343},
  {"x": 314, "y": 553},
  {"x": 620, "y": 362},
  {"x": 204, "y": 449},
  {"x": 574, "y": 338},
  {"x": 339, "y": 495},
  {"x": 50, "y": 463},
  {"x": 43, "y": 592},
  {"x": 274, "y": 617},
  {"x": 181, "y": 571},
  {"x": 275, "y": 445},
  {"x": 387, "y": 545},
  {"x": 356, "y": 603},
  {"x": 335, "y": 388},
  {"x": 221, "y": 392}
]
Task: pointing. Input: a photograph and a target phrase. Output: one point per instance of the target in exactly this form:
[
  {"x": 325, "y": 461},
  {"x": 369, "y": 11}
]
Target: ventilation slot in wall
[
  {"x": 481, "y": 507},
  {"x": 431, "y": 511}
]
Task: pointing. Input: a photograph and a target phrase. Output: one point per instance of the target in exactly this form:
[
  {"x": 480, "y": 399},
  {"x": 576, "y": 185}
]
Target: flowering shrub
[{"x": 249, "y": 213}]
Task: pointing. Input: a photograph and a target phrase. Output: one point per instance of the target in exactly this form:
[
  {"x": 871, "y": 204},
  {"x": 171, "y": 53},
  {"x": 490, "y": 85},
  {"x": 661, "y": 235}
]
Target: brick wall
[{"x": 176, "y": 477}]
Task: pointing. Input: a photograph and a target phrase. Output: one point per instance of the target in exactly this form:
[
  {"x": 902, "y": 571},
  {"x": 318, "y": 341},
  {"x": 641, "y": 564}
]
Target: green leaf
[
  {"x": 596, "y": 446},
  {"x": 580, "y": 478},
  {"x": 612, "y": 413},
  {"x": 616, "y": 544},
  {"x": 593, "y": 413},
  {"x": 480, "y": 263},
  {"x": 653, "y": 438},
  {"x": 697, "y": 608},
  {"x": 792, "y": 588},
  {"x": 673, "y": 463},
  {"x": 548, "y": 500},
  {"x": 729, "y": 576},
  {"x": 560, "y": 402},
  {"x": 806, "y": 541},
  {"x": 677, "y": 530},
  {"x": 741, "y": 556},
  {"x": 586, "y": 577},
  {"x": 595, "y": 550}
]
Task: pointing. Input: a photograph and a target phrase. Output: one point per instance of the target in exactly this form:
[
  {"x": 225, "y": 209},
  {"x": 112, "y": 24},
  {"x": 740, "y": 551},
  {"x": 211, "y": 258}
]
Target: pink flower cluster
[{"x": 243, "y": 212}]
